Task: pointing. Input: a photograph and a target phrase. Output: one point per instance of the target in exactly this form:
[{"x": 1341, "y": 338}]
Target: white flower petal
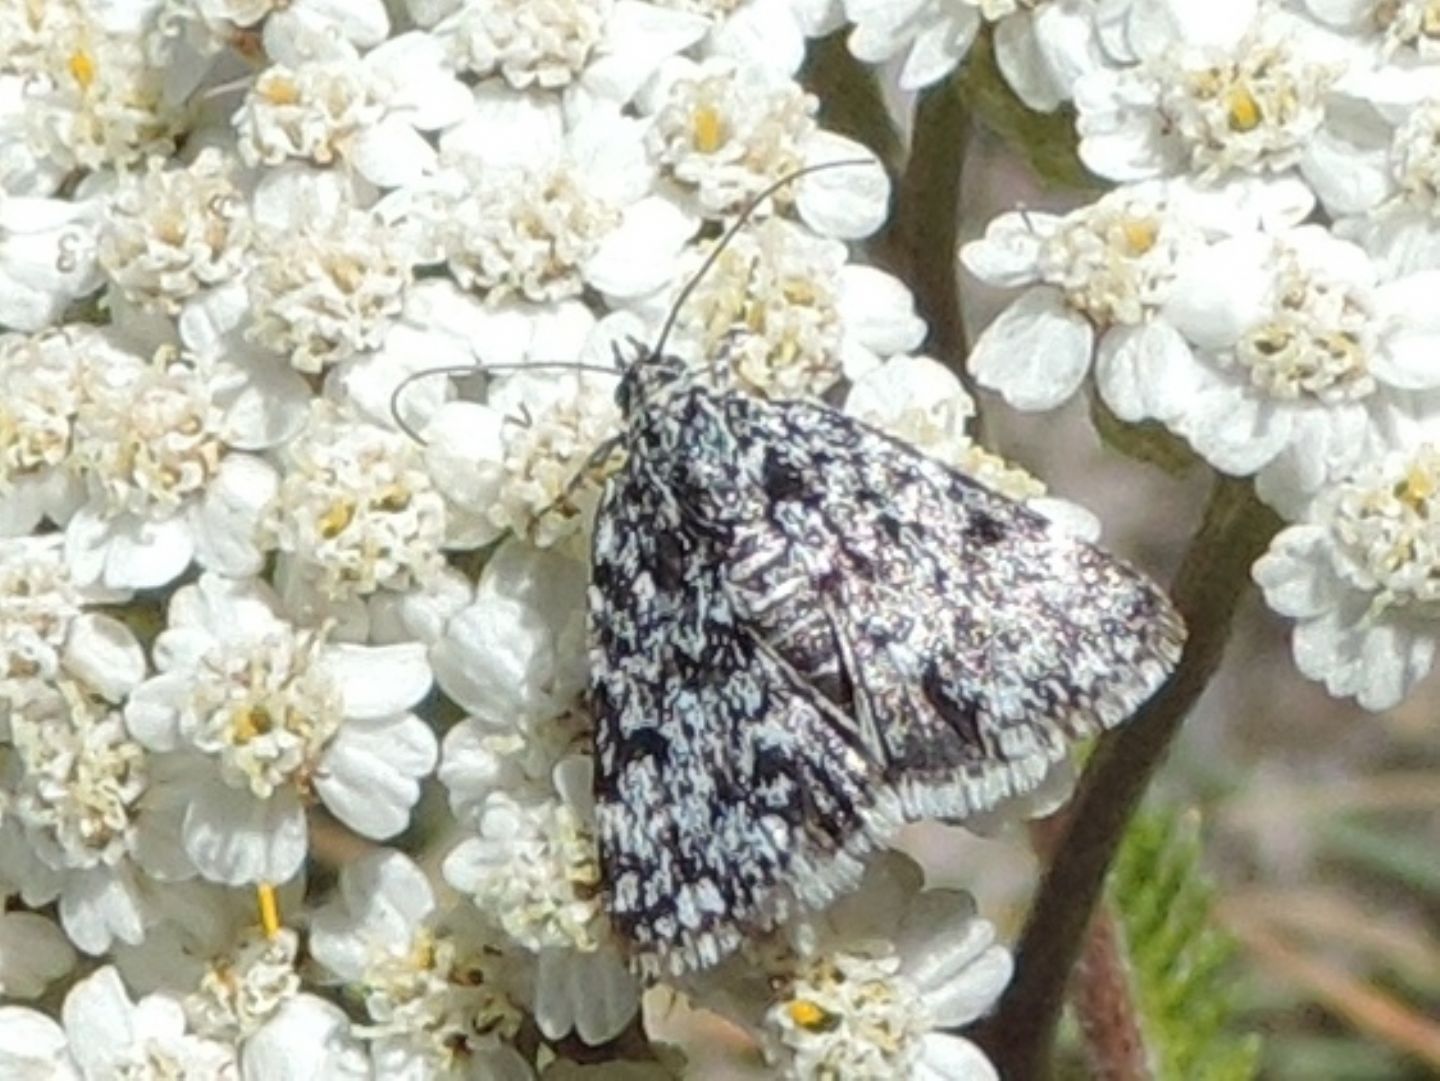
[
  {"x": 369, "y": 777},
  {"x": 308, "y": 1039},
  {"x": 126, "y": 552},
  {"x": 764, "y": 32},
  {"x": 98, "y": 906},
  {"x": 639, "y": 256},
  {"x": 235, "y": 839},
  {"x": 33, "y": 953},
  {"x": 1139, "y": 369},
  {"x": 950, "y": 1058},
  {"x": 592, "y": 993},
  {"x": 1036, "y": 352},
  {"x": 1295, "y": 575},
  {"x": 378, "y": 681},
  {"x": 105, "y": 654},
  {"x": 228, "y": 517},
  {"x": 939, "y": 48},
  {"x": 879, "y": 310},
  {"x": 848, "y": 202},
  {"x": 32, "y": 1047},
  {"x": 1008, "y": 254},
  {"x": 392, "y": 154}
]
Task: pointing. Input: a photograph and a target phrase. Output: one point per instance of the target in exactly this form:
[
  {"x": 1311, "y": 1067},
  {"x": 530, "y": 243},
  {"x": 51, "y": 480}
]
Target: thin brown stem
[
  {"x": 1103, "y": 1002},
  {"x": 1212, "y": 579}
]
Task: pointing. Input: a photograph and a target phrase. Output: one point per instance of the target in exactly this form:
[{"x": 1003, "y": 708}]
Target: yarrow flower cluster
[
  {"x": 262, "y": 616},
  {"x": 311, "y": 317},
  {"x": 1261, "y": 282}
]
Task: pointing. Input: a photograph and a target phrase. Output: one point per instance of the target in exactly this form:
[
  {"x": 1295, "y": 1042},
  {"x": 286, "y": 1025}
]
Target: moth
[{"x": 805, "y": 633}]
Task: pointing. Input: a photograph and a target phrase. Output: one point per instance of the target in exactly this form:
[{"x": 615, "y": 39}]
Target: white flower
[
  {"x": 867, "y": 988},
  {"x": 1218, "y": 90},
  {"x": 46, "y": 630},
  {"x": 786, "y": 313},
  {"x": 602, "y": 51},
  {"x": 434, "y": 986},
  {"x": 170, "y": 233},
  {"x": 533, "y": 868},
  {"x": 76, "y": 827},
  {"x": 162, "y": 486},
  {"x": 267, "y": 717},
  {"x": 47, "y": 258},
  {"x": 33, "y": 954},
  {"x": 327, "y": 278},
  {"x": 194, "y": 927},
  {"x": 366, "y": 111},
  {"x": 1380, "y": 174},
  {"x": 239, "y": 984},
  {"x": 521, "y": 461},
  {"x": 244, "y": 989},
  {"x": 1302, "y": 355},
  {"x": 726, "y": 131},
  {"x": 356, "y": 511},
  {"x": 41, "y": 374},
  {"x": 1104, "y": 270},
  {"x": 106, "y": 1036},
  {"x": 531, "y": 207},
  {"x": 90, "y": 83},
  {"x": 520, "y": 785},
  {"x": 1359, "y": 576},
  {"x": 250, "y": 996},
  {"x": 1099, "y": 281}
]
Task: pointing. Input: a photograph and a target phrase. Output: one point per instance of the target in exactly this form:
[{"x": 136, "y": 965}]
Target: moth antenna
[
  {"x": 478, "y": 369},
  {"x": 746, "y": 213}
]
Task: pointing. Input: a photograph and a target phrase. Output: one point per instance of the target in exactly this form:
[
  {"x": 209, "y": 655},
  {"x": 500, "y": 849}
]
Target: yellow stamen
[
  {"x": 1417, "y": 487},
  {"x": 269, "y": 906},
  {"x": 709, "y": 129},
  {"x": 333, "y": 522},
  {"x": 1243, "y": 109},
  {"x": 279, "y": 91},
  {"x": 1140, "y": 234},
  {"x": 82, "y": 69},
  {"x": 811, "y": 1016}
]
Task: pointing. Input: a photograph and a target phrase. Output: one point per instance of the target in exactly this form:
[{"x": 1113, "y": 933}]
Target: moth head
[{"x": 648, "y": 377}]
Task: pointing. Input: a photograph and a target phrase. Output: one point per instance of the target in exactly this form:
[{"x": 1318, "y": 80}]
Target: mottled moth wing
[
  {"x": 717, "y": 769},
  {"x": 803, "y": 633},
  {"x": 967, "y": 640}
]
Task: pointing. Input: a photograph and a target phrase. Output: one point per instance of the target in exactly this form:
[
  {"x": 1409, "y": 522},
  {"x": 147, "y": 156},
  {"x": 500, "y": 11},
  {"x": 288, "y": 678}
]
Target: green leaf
[{"x": 1182, "y": 966}]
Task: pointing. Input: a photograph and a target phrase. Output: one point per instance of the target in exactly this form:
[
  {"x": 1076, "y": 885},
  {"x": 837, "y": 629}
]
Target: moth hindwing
[{"x": 804, "y": 633}]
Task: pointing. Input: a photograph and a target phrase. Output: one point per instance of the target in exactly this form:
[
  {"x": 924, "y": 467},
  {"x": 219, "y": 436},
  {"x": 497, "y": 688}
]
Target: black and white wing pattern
[{"x": 804, "y": 633}]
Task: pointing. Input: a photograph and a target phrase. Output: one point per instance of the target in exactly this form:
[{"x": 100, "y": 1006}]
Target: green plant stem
[
  {"x": 921, "y": 240},
  {"x": 1213, "y": 577},
  {"x": 849, "y": 97}
]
